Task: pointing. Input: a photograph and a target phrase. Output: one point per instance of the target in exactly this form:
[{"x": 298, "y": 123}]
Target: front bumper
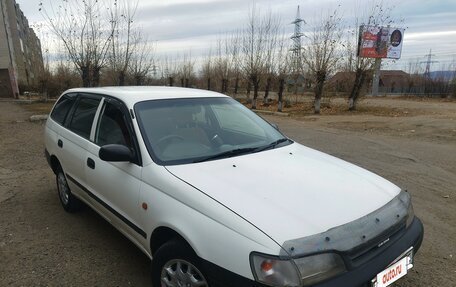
[
  {"x": 359, "y": 276},
  {"x": 363, "y": 274}
]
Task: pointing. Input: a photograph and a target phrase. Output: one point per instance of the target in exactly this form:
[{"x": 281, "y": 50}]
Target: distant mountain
[{"x": 445, "y": 75}]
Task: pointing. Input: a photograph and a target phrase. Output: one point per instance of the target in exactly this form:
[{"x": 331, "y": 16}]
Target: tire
[
  {"x": 176, "y": 255},
  {"x": 69, "y": 202}
]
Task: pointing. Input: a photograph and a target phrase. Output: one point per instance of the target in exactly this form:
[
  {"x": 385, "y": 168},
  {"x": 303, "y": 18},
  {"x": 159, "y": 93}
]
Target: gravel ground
[{"x": 41, "y": 245}]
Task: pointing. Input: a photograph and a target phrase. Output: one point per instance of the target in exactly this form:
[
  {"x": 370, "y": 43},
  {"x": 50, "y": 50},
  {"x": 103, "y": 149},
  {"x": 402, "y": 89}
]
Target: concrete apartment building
[{"x": 21, "y": 60}]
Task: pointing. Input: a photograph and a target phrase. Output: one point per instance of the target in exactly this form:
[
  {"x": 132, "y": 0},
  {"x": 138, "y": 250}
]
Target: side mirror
[
  {"x": 115, "y": 153},
  {"x": 276, "y": 126}
]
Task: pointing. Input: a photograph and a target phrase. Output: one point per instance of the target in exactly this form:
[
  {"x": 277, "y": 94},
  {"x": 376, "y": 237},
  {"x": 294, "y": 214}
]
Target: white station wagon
[{"x": 217, "y": 196}]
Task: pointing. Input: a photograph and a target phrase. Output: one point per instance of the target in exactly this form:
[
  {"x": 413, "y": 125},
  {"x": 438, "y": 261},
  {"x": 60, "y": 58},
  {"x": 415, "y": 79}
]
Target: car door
[
  {"x": 74, "y": 138},
  {"x": 115, "y": 185}
]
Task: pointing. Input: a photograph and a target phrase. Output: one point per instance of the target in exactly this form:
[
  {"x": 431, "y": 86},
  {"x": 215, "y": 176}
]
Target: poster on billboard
[{"x": 380, "y": 42}]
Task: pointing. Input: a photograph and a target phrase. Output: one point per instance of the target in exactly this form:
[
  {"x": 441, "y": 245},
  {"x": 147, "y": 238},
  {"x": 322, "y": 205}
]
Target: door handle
[
  {"x": 90, "y": 163},
  {"x": 60, "y": 143}
]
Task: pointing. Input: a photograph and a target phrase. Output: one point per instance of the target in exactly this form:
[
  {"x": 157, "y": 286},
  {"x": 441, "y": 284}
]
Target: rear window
[{"x": 63, "y": 106}]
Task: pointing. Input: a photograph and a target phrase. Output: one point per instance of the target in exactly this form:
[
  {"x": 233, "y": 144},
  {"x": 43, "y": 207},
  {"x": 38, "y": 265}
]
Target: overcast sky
[{"x": 180, "y": 26}]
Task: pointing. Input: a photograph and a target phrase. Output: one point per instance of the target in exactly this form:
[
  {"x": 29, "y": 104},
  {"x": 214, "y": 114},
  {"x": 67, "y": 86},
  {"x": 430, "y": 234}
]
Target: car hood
[{"x": 290, "y": 192}]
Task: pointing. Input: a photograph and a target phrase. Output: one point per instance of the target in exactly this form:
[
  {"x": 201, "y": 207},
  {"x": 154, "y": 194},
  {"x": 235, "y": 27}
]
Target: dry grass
[
  {"x": 337, "y": 108},
  {"x": 445, "y": 99},
  {"x": 38, "y": 108}
]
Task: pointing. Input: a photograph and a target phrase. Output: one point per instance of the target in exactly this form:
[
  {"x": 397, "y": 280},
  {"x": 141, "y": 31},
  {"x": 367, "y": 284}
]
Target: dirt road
[{"x": 41, "y": 245}]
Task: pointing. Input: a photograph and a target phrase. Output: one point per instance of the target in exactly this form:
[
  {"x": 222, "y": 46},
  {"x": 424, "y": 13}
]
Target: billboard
[{"x": 380, "y": 42}]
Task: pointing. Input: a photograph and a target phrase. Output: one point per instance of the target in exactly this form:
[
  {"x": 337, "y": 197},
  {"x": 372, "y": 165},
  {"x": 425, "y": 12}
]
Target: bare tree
[
  {"x": 360, "y": 66},
  {"x": 125, "y": 38},
  {"x": 86, "y": 33},
  {"x": 222, "y": 62},
  {"x": 412, "y": 67},
  {"x": 207, "y": 69},
  {"x": 142, "y": 62},
  {"x": 63, "y": 77},
  {"x": 254, "y": 45},
  {"x": 186, "y": 69},
  {"x": 282, "y": 67},
  {"x": 169, "y": 70},
  {"x": 233, "y": 44},
  {"x": 272, "y": 42},
  {"x": 45, "y": 75},
  {"x": 453, "y": 80},
  {"x": 320, "y": 53}
]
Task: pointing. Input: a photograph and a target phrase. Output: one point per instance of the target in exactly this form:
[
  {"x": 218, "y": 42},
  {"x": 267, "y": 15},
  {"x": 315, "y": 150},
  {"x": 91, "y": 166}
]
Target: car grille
[{"x": 361, "y": 254}]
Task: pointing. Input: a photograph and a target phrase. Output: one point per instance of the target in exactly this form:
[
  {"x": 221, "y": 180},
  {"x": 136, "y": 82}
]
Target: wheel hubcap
[
  {"x": 64, "y": 191},
  {"x": 180, "y": 273}
]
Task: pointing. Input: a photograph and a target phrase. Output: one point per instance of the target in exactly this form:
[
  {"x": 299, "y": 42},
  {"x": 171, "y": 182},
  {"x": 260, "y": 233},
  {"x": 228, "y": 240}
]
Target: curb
[
  {"x": 37, "y": 118},
  {"x": 271, "y": 113}
]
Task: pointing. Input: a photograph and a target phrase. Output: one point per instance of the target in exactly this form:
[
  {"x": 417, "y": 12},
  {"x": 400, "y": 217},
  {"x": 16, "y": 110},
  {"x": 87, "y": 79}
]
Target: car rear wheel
[
  {"x": 175, "y": 264},
  {"x": 69, "y": 202}
]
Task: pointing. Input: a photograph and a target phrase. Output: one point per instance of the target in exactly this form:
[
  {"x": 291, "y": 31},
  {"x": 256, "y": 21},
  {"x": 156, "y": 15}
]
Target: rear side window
[
  {"x": 63, "y": 106},
  {"x": 81, "y": 122}
]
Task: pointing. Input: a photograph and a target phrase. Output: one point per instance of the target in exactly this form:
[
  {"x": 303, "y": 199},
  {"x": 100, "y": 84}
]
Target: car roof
[{"x": 133, "y": 94}]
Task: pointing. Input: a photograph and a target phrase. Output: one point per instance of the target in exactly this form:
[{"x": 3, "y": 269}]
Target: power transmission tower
[
  {"x": 427, "y": 72},
  {"x": 429, "y": 62},
  {"x": 154, "y": 69},
  {"x": 296, "y": 69}
]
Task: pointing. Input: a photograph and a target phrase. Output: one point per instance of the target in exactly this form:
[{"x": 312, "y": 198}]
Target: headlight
[
  {"x": 410, "y": 215},
  {"x": 273, "y": 271},
  {"x": 316, "y": 268},
  {"x": 303, "y": 271},
  {"x": 407, "y": 201}
]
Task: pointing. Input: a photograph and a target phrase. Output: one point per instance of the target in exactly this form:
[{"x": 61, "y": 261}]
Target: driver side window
[{"x": 112, "y": 127}]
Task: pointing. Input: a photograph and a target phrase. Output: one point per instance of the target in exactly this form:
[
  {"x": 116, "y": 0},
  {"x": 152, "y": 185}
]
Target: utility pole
[{"x": 376, "y": 77}]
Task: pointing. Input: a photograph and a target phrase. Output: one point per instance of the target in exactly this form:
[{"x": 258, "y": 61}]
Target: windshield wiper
[
  {"x": 226, "y": 154},
  {"x": 240, "y": 151},
  {"x": 272, "y": 145}
]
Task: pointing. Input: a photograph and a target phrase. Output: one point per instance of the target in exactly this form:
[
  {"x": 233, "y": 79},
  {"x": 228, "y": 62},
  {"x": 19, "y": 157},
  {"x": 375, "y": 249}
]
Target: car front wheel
[{"x": 175, "y": 264}]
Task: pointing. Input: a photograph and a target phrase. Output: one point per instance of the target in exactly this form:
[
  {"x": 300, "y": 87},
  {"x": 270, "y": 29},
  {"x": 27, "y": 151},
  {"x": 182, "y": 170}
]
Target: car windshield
[{"x": 190, "y": 130}]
